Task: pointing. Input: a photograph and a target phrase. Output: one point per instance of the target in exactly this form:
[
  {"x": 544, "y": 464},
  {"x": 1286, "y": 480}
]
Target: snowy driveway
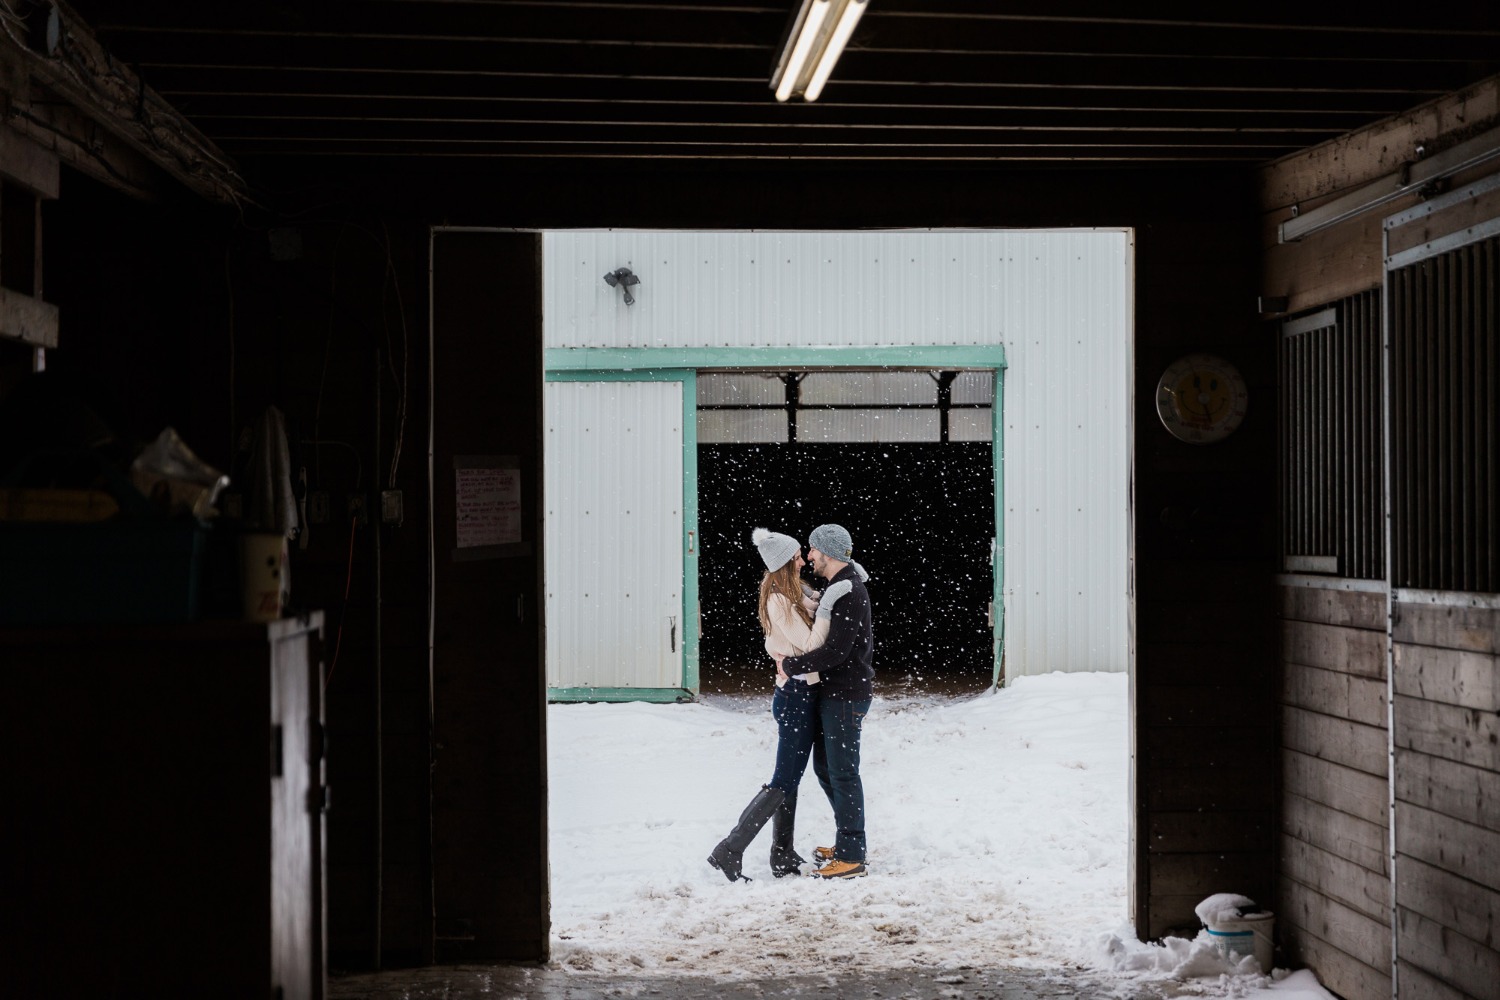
[{"x": 998, "y": 830}]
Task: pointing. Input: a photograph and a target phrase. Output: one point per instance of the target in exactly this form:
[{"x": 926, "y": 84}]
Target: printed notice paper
[{"x": 489, "y": 506}]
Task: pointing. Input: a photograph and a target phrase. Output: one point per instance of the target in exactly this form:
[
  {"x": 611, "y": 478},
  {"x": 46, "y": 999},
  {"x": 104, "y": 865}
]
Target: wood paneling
[
  {"x": 1334, "y": 855},
  {"x": 1461, "y": 848},
  {"x": 1361, "y": 699},
  {"x": 1465, "y": 735},
  {"x": 1334, "y": 647},
  {"x": 1468, "y": 965},
  {"x": 1362, "y": 609},
  {"x": 1447, "y": 626},
  {"x": 1362, "y": 938},
  {"x": 1357, "y": 793},
  {"x": 1453, "y": 901},
  {"x": 1173, "y": 832},
  {"x": 1336, "y": 740},
  {"x": 1364, "y": 843},
  {"x": 1417, "y": 984},
  {"x": 1451, "y": 676},
  {"x": 1357, "y": 887},
  {"x": 1336, "y": 970},
  {"x": 1462, "y": 791}
]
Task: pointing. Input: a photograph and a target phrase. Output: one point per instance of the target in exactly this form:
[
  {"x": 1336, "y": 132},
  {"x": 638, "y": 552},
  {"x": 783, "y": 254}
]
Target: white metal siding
[
  {"x": 613, "y": 500},
  {"x": 1059, "y": 302}
]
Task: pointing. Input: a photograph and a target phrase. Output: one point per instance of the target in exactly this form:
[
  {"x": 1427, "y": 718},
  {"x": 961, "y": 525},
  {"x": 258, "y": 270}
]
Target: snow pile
[
  {"x": 998, "y": 832},
  {"x": 1224, "y": 906}
]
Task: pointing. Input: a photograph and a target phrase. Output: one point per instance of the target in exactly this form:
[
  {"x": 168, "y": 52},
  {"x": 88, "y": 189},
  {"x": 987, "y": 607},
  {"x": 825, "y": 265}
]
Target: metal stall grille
[
  {"x": 1331, "y": 441},
  {"x": 1445, "y": 384}
]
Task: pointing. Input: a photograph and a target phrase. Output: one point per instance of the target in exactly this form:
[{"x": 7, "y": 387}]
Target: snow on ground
[{"x": 998, "y": 832}]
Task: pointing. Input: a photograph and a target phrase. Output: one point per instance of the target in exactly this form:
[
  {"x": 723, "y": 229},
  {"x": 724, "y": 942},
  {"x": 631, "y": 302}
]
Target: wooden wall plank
[
  {"x": 25, "y": 163},
  {"x": 1357, "y": 793},
  {"x": 1360, "y": 699},
  {"x": 28, "y": 320},
  {"x": 1336, "y": 969},
  {"x": 1182, "y": 790},
  {"x": 1361, "y": 889},
  {"x": 1366, "y": 154},
  {"x": 1204, "y": 663},
  {"x": 1419, "y": 985},
  {"x": 1457, "y": 903},
  {"x": 1338, "y": 740},
  {"x": 1461, "y": 734},
  {"x": 1178, "y": 874},
  {"x": 1188, "y": 748},
  {"x": 1363, "y": 939},
  {"x": 1200, "y": 830},
  {"x": 1216, "y": 707},
  {"x": 1364, "y": 843},
  {"x": 1451, "y": 676},
  {"x": 1452, "y": 958},
  {"x": 1465, "y": 214},
  {"x": 1447, "y": 626},
  {"x": 1324, "y": 266},
  {"x": 1461, "y": 848},
  {"x": 1468, "y": 793},
  {"x": 1334, "y": 647},
  {"x": 1330, "y": 606}
]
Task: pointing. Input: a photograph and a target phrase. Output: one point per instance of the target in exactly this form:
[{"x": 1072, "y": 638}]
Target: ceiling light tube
[
  {"x": 842, "y": 29},
  {"x": 813, "y": 46}
]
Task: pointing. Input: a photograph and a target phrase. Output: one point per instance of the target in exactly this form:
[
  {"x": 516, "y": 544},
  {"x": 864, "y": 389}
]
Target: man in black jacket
[{"x": 845, "y": 664}]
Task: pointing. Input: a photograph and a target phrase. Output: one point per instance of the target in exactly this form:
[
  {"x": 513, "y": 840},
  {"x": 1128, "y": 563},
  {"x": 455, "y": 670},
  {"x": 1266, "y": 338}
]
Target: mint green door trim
[
  {"x": 619, "y": 694},
  {"x": 997, "y": 562},
  {"x": 670, "y": 364},
  {"x": 689, "y": 618},
  {"x": 633, "y": 359}
]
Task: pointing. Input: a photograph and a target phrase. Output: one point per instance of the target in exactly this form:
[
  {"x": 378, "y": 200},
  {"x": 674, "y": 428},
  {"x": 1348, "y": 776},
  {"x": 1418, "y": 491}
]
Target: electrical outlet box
[
  {"x": 392, "y": 509},
  {"x": 317, "y": 507},
  {"x": 358, "y": 513}
]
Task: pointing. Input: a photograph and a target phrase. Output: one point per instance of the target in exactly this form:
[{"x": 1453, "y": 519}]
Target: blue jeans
[
  {"x": 795, "y": 709},
  {"x": 836, "y": 763}
]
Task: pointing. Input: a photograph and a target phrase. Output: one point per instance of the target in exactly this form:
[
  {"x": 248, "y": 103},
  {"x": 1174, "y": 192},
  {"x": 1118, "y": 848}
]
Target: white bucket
[{"x": 1237, "y": 937}]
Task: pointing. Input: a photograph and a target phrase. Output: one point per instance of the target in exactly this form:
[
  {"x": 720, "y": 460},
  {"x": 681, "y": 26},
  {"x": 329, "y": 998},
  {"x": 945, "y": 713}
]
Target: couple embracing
[{"x": 825, "y": 678}]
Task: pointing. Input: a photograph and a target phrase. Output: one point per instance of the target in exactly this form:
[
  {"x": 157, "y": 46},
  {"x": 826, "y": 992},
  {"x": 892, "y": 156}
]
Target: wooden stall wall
[
  {"x": 1388, "y": 884},
  {"x": 1447, "y": 790},
  {"x": 1335, "y": 882}
]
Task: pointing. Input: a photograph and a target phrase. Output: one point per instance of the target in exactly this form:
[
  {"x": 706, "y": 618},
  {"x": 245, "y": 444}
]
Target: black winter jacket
[{"x": 845, "y": 661}]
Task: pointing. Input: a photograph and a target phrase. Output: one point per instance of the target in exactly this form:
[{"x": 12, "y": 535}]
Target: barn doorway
[
  {"x": 902, "y": 458},
  {"x": 1000, "y": 823}
]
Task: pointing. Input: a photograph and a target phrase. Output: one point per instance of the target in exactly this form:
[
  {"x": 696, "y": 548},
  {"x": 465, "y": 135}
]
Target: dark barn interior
[
  {"x": 334, "y": 208},
  {"x": 923, "y": 514}
]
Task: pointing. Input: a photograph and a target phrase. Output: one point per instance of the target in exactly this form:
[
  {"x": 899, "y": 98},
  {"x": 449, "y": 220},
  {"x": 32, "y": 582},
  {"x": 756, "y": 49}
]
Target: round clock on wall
[{"x": 1201, "y": 398}]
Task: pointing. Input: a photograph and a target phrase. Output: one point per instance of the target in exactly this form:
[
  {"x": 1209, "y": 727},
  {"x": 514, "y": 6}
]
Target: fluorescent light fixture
[{"x": 814, "y": 45}]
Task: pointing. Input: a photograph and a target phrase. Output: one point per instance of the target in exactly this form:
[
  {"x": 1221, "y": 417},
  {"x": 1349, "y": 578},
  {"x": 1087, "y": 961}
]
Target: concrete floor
[{"x": 513, "y": 982}]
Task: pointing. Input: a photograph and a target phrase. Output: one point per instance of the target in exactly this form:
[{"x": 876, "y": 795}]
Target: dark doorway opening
[{"x": 922, "y": 516}]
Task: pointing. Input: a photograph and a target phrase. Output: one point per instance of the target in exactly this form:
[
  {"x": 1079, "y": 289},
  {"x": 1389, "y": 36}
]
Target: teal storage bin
[{"x": 127, "y": 571}]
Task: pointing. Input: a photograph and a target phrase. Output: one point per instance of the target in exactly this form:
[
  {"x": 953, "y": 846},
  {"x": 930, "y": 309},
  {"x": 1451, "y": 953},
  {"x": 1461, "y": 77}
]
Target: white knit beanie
[{"x": 776, "y": 549}]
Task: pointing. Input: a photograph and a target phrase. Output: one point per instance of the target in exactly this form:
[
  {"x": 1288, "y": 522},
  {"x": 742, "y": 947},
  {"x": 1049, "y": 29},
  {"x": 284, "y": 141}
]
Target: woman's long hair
[{"x": 788, "y": 584}]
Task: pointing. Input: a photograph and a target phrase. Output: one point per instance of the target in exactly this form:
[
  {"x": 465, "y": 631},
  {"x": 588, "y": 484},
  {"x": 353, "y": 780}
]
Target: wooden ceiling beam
[
  {"x": 334, "y": 132},
  {"x": 698, "y": 152},
  {"x": 689, "y": 65},
  {"x": 269, "y": 84},
  {"x": 219, "y": 113},
  {"x": 881, "y": 30}
]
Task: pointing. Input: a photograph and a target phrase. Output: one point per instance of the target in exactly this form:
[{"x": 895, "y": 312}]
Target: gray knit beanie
[
  {"x": 776, "y": 549},
  {"x": 832, "y": 540}
]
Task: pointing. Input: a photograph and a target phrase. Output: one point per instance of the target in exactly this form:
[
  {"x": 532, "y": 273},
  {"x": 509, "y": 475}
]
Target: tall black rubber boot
[
  {"x": 784, "y": 857},
  {"x": 729, "y": 855}
]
